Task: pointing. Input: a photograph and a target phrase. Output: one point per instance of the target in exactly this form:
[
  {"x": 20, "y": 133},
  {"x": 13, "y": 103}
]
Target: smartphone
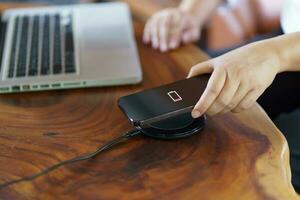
[{"x": 152, "y": 105}]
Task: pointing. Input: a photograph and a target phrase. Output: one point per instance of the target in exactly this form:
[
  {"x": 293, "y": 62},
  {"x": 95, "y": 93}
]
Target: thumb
[{"x": 201, "y": 68}]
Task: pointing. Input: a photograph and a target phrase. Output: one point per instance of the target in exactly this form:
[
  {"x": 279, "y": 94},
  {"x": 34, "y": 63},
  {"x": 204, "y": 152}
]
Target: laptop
[{"x": 71, "y": 46}]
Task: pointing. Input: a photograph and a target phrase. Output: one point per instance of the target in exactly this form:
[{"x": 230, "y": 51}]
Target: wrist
[
  {"x": 272, "y": 49},
  {"x": 287, "y": 47},
  {"x": 192, "y": 13},
  {"x": 278, "y": 49},
  {"x": 200, "y": 10},
  {"x": 199, "y": 6}
]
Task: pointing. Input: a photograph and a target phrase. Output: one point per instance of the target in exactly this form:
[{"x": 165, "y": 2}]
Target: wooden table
[{"x": 241, "y": 156}]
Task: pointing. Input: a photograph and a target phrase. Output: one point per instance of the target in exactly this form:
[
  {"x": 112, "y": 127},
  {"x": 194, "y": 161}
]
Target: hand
[
  {"x": 166, "y": 29},
  {"x": 238, "y": 78}
]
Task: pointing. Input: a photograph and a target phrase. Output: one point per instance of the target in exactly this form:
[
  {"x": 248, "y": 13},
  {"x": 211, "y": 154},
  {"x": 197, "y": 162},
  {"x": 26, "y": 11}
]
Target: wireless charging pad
[{"x": 175, "y": 127}]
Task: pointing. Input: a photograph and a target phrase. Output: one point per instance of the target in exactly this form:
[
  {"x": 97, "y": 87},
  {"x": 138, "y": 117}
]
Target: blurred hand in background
[{"x": 169, "y": 28}]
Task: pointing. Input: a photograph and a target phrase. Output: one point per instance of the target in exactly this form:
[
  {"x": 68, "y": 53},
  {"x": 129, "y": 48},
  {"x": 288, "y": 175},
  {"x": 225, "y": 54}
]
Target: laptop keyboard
[{"x": 42, "y": 45}]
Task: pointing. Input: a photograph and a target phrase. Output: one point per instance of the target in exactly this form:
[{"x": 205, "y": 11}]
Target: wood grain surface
[{"x": 237, "y": 157}]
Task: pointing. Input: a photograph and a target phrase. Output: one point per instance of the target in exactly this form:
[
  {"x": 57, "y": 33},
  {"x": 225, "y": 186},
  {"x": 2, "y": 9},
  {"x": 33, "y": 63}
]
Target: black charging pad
[{"x": 175, "y": 127}]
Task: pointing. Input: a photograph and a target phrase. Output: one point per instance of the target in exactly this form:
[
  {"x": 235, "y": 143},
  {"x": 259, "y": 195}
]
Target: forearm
[
  {"x": 201, "y": 9},
  {"x": 288, "y": 50}
]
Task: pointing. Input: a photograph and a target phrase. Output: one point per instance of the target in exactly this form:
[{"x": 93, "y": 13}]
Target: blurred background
[
  {"x": 47, "y": 1},
  {"x": 231, "y": 25}
]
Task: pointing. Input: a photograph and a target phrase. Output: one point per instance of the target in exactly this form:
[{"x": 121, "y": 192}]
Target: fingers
[
  {"x": 175, "y": 36},
  {"x": 163, "y": 29},
  {"x": 224, "y": 100},
  {"x": 213, "y": 89},
  {"x": 201, "y": 68},
  {"x": 166, "y": 29},
  {"x": 163, "y": 33},
  {"x": 248, "y": 100},
  {"x": 190, "y": 35},
  {"x": 237, "y": 98},
  {"x": 233, "y": 98},
  {"x": 146, "y": 34},
  {"x": 154, "y": 33}
]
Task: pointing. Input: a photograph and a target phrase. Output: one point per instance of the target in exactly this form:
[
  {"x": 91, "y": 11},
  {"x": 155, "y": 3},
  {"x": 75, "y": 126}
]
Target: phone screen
[{"x": 159, "y": 103}]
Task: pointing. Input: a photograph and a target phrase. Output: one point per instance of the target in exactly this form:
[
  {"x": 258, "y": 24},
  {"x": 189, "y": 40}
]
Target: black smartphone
[{"x": 152, "y": 105}]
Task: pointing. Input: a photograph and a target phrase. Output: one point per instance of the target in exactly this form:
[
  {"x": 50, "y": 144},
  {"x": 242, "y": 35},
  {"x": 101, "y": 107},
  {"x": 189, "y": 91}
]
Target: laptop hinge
[{"x": 3, "y": 26}]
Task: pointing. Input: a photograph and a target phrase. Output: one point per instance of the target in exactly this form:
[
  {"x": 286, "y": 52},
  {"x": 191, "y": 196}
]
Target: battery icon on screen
[{"x": 174, "y": 96}]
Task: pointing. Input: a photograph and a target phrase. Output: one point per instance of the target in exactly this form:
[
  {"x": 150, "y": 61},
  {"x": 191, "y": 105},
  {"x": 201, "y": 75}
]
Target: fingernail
[
  {"x": 196, "y": 114},
  {"x": 163, "y": 48},
  {"x": 173, "y": 45},
  {"x": 154, "y": 45}
]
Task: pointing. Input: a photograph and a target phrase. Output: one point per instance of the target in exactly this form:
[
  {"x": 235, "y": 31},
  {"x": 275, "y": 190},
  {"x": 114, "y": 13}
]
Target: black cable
[{"x": 106, "y": 146}]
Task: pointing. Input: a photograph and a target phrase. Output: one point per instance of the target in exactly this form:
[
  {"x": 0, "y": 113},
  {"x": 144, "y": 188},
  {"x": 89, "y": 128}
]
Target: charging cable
[{"x": 106, "y": 146}]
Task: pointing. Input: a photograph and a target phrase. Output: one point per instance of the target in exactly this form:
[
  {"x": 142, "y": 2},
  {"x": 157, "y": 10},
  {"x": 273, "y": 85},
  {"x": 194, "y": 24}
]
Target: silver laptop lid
[{"x": 93, "y": 50}]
